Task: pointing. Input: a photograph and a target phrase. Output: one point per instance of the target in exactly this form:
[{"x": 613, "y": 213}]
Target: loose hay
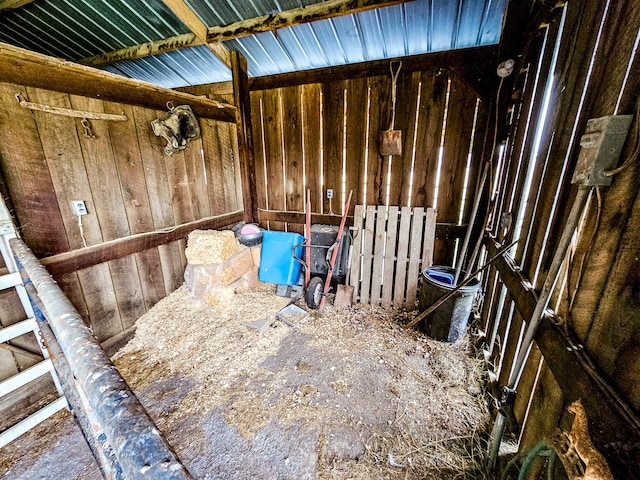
[
  {"x": 210, "y": 246},
  {"x": 347, "y": 393}
]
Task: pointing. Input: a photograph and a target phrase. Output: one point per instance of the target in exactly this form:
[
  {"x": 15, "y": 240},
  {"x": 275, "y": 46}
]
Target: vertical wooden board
[
  {"x": 356, "y": 137},
  {"x": 377, "y": 117},
  {"x": 64, "y": 156},
  {"x": 367, "y": 254},
  {"x": 476, "y": 162},
  {"x": 196, "y": 176},
  {"x": 128, "y": 159},
  {"x": 273, "y": 148},
  {"x": 403, "y": 257},
  {"x": 311, "y": 142},
  {"x": 390, "y": 256},
  {"x": 8, "y": 365},
  {"x": 415, "y": 255},
  {"x": 158, "y": 188},
  {"x": 151, "y": 276},
  {"x": 294, "y": 162},
  {"x": 98, "y": 291},
  {"x": 108, "y": 199},
  {"x": 429, "y": 238},
  {"x": 377, "y": 274},
  {"x": 153, "y": 161},
  {"x": 230, "y": 166},
  {"x": 213, "y": 166},
  {"x": 511, "y": 347},
  {"x": 432, "y": 103},
  {"x": 356, "y": 253},
  {"x": 27, "y": 175},
  {"x": 407, "y": 95},
  {"x": 179, "y": 188},
  {"x": 333, "y": 136},
  {"x": 456, "y": 147},
  {"x": 527, "y": 384},
  {"x": 257, "y": 124},
  {"x": 547, "y": 406},
  {"x": 408, "y": 124}
]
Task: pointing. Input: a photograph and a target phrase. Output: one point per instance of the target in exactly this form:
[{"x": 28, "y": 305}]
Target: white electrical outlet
[
  {"x": 78, "y": 207},
  {"x": 329, "y": 193}
]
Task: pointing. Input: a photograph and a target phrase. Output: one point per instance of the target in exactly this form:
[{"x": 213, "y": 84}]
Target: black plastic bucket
[{"x": 449, "y": 321}]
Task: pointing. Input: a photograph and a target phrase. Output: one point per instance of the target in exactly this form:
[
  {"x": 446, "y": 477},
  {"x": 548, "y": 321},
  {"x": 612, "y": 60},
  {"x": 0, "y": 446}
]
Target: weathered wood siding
[
  {"x": 578, "y": 62},
  {"x": 129, "y": 186},
  {"x": 326, "y": 136}
]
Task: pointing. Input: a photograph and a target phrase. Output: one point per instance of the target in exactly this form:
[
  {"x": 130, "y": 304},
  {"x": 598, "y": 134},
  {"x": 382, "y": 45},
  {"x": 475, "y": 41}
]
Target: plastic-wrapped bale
[{"x": 209, "y": 247}]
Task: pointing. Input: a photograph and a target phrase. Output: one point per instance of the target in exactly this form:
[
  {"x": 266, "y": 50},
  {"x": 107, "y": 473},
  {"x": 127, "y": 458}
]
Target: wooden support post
[{"x": 245, "y": 139}]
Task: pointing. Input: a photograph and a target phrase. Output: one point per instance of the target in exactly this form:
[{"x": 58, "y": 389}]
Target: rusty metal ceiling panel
[{"x": 75, "y": 29}]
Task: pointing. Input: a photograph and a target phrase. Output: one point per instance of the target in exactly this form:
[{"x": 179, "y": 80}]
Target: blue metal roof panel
[{"x": 75, "y": 29}]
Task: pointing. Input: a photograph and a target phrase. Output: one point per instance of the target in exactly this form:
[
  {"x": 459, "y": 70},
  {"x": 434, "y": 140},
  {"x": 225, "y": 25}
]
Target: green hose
[{"x": 540, "y": 450}]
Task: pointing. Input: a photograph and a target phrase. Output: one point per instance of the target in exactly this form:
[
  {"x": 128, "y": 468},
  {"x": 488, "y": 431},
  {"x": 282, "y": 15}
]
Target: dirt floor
[{"x": 346, "y": 394}]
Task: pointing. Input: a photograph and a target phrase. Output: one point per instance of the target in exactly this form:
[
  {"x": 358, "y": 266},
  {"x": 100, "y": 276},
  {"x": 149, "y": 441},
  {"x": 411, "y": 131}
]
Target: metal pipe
[
  {"x": 538, "y": 313},
  {"x": 140, "y": 449},
  {"x": 85, "y": 417}
]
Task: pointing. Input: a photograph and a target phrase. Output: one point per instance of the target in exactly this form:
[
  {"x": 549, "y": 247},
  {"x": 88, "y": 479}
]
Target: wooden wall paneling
[
  {"x": 128, "y": 159},
  {"x": 367, "y": 254},
  {"x": 573, "y": 64},
  {"x": 294, "y": 162},
  {"x": 377, "y": 273},
  {"x": 333, "y": 138},
  {"x": 230, "y": 167},
  {"x": 415, "y": 255},
  {"x": 375, "y": 162},
  {"x": 501, "y": 327},
  {"x": 605, "y": 311},
  {"x": 402, "y": 257},
  {"x": 28, "y": 179},
  {"x": 511, "y": 345},
  {"x": 407, "y": 94},
  {"x": 65, "y": 160},
  {"x": 153, "y": 161},
  {"x": 456, "y": 148},
  {"x": 311, "y": 142},
  {"x": 356, "y": 138},
  {"x": 257, "y": 125},
  {"x": 197, "y": 178},
  {"x": 390, "y": 255},
  {"x": 109, "y": 207},
  {"x": 527, "y": 384},
  {"x": 273, "y": 149},
  {"x": 11, "y": 311},
  {"x": 358, "y": 223},
  {"x": 432, "y": 102},
  {"x": 547, "y": 405},
  {"x": 213, "y": 166}
]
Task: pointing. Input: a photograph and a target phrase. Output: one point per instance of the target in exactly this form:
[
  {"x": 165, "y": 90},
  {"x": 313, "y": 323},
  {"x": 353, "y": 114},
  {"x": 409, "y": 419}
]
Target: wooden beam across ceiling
[
  {"x": 24, "y": 67},
  {"x": 243, "y": 28},
  {"x": 199, "y": 29}
]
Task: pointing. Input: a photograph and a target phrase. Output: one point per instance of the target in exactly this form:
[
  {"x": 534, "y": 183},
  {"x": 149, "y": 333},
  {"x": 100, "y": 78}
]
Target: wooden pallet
[{"x": 391, "y": 248}]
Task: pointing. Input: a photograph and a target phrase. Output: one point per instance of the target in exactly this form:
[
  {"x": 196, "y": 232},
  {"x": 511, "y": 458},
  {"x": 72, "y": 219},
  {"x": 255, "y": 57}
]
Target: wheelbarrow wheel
[{"x": 314, "y": 292}]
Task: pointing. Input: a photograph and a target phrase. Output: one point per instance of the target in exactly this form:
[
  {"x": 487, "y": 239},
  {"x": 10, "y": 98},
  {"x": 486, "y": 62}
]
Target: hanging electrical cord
[{"x": 84, "y": 240}]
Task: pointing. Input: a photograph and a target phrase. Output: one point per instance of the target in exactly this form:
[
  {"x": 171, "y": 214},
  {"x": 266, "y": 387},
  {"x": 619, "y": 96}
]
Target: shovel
[{"x": 391, "y": 140}]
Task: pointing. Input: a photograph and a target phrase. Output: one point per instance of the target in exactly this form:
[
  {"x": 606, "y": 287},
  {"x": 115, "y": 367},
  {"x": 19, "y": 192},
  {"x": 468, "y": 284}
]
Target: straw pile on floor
[{"x": 347, "y": 393}]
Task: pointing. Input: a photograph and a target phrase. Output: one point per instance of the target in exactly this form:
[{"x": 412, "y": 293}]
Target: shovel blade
[
  {"x": 391, "y": 142},
  {"x": 344, "y": 296}
]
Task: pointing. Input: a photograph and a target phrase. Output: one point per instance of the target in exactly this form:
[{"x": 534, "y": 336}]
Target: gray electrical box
[{"x": 601, "y": 144}]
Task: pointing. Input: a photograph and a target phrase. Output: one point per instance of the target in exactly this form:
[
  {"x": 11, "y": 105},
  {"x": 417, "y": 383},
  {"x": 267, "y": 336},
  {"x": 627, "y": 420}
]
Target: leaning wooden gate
[{"x": 392, "y": 246}]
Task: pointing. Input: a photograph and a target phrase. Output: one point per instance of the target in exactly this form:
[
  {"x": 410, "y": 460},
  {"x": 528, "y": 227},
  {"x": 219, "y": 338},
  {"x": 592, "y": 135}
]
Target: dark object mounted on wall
[{"x": 177, "y": 127}]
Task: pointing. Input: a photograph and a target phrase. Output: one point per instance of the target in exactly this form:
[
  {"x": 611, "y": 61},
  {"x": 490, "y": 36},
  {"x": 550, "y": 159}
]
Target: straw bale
[{"x": 210, "y": 246}]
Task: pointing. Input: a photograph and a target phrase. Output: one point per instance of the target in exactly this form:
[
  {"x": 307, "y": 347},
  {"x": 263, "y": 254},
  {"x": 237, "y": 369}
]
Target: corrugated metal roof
[{"x": 75, "y": 29}]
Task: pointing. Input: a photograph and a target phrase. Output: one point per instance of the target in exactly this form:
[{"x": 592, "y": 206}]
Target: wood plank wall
[
  {"x": 129, "y": 186},
  {"x": 594, "y": 75},
  {"x": 321, "y": 136}
]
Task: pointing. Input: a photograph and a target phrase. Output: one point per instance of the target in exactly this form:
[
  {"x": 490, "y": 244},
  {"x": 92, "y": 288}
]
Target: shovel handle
[{"x": 394, "y": 82}]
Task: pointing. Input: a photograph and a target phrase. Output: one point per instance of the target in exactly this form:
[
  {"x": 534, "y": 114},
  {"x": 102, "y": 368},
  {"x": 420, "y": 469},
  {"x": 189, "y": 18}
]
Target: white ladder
[{"x": 13, "y": 279}]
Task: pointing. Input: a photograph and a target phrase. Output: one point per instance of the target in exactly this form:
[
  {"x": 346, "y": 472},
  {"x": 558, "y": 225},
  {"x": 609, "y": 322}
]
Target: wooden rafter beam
[
  {"x": 24, "y": 67},
  {"x": 199, "y": 29},
  {"x": 214, "y": 35}
]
